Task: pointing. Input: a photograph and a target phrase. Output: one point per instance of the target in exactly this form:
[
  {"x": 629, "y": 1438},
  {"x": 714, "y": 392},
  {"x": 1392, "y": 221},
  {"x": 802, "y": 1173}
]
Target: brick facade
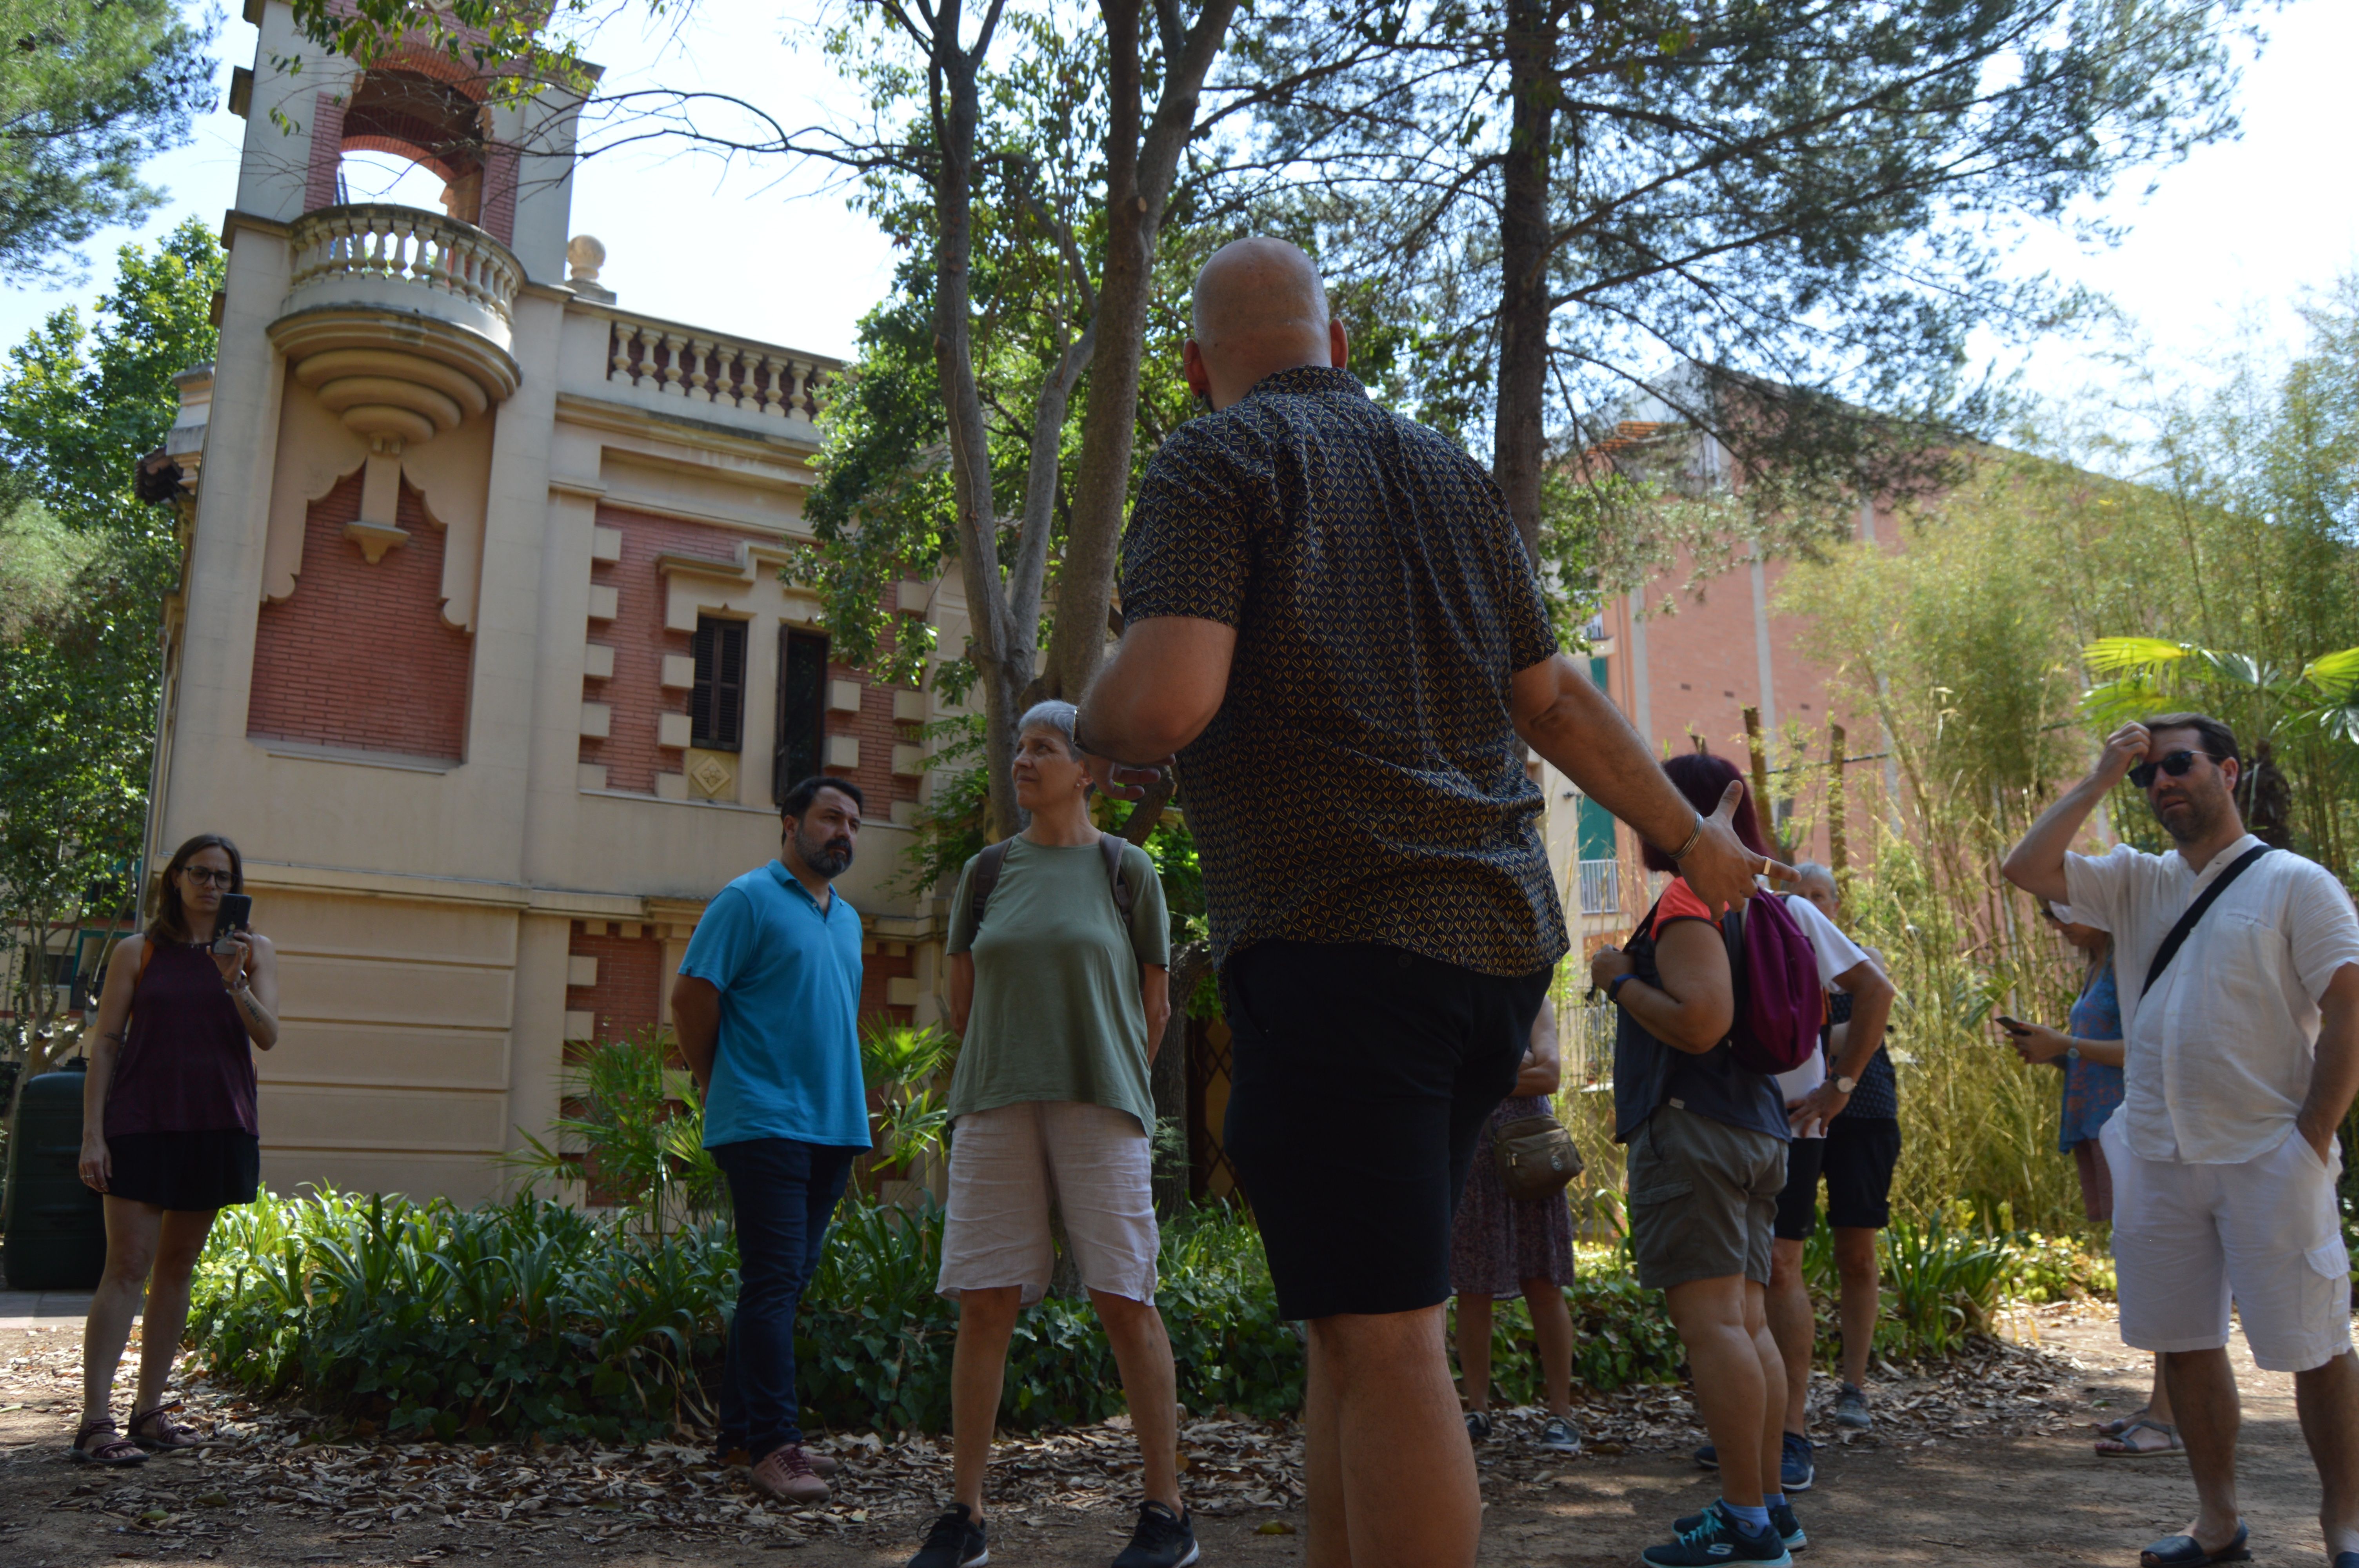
[
  {"x": 359, "y": 656},
  {"x": 636, "y": 694},
  {"x": 630, "y": 980}
]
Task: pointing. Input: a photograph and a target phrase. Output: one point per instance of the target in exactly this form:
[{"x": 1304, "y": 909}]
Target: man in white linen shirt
[{"x": 2242, "y": 1062}]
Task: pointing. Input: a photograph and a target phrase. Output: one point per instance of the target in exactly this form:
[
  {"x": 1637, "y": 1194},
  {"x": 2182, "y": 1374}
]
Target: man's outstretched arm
[
  {"x": 2037, "y": 864},
  {"x": 1561, "y": 715}
]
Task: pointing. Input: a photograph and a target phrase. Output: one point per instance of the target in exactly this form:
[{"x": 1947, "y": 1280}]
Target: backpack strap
[
  {"x": 2195, "y": 912},
  {"x": 1112, "y": 845},
  {"x": 987, "y": 867}
]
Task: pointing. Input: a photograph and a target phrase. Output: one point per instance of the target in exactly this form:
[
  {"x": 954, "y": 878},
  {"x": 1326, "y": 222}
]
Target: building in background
[{"x": 483, "y": 652}]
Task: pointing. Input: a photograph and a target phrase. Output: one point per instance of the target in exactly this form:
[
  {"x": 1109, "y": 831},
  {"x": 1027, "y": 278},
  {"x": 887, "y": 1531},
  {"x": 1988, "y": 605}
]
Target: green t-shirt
[{"x": 1057, "y": 1014}]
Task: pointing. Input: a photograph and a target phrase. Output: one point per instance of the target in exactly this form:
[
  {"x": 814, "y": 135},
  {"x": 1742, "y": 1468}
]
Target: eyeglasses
[
  {"x": 205, "y": 876},
  {"x": 2175, "y": 765}
]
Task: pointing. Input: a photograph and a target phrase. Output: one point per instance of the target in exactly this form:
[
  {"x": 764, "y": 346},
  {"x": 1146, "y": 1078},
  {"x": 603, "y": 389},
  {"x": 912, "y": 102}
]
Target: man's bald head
[{"x": 1259, "y": 308}]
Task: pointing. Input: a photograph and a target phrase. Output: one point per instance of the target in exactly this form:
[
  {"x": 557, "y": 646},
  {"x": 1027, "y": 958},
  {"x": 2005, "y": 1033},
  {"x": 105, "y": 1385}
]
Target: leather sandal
[
  {"x": 153, "y": 1431},
  {"x": 2185, "y": 1552},
  {"x": 114, "y": 1449}
]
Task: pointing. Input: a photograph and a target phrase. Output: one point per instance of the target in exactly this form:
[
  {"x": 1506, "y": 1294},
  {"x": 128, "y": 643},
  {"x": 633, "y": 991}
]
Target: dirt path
[{"x": 1989, "y": 1461}]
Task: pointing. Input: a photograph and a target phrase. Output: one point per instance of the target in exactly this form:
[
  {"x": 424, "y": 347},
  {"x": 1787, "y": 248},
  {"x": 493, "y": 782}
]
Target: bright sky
[{"x": 2229, "y": 239}]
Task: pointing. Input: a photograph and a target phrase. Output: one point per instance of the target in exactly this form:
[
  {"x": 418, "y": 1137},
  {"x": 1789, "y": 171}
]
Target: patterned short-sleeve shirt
[{"x": 1363, "y": 781}]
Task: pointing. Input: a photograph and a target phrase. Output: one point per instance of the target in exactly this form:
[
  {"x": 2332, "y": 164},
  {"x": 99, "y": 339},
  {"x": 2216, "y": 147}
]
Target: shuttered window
[
  {"x": 803, "y": 709},
  {"x": 717, "y": 709}
]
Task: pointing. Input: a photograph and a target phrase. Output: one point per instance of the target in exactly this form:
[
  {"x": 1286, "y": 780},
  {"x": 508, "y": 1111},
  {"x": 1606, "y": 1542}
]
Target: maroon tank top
[{"x": 186, "y": 1066}]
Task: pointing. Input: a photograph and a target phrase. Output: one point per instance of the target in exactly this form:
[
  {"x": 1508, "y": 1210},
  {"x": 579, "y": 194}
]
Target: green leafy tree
[
  {"x": 1774, "y": 223},
  {"x": 89, "y": 90},
  {"x": 87, "y": 571}
]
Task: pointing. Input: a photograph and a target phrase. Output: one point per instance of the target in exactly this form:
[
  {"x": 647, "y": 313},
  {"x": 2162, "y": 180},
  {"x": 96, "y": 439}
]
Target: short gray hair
[
  {"x": 1053, "y": 714},
  {"x": 1805, "y": 869}
]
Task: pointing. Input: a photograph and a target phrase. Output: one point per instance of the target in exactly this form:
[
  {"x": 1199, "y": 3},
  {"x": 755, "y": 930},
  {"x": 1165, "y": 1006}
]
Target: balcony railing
[
  {"x": 406, "y": 259},
  {"x": 678, "y": 361},
  {"x": 1601, "y": 887}
]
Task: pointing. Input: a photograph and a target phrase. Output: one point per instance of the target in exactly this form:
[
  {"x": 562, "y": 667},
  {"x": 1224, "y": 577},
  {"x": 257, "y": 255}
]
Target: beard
[
  {"x": 828, "y": 856},
  {"x": 2195, "y": 820}
]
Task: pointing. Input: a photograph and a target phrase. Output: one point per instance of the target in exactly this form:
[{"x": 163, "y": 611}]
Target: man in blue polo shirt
[{"x": 767, "y": 1009}]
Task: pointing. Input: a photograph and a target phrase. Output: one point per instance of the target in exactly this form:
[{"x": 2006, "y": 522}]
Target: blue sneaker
[
  {"x": 1790, "y": 1529},
  {"x": 1716, "y": 1539},
  {"x": 1795, "y": 1471}
]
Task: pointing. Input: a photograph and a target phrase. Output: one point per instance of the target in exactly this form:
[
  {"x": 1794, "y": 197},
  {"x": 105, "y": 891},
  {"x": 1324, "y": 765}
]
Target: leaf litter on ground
[{"x": 276, "y": 1458}]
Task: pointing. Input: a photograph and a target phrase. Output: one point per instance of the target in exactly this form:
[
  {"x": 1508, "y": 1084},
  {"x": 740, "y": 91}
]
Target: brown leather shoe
[
  {"x": 786, "y": 1475},
  {"x": 821, "y": 1464}
]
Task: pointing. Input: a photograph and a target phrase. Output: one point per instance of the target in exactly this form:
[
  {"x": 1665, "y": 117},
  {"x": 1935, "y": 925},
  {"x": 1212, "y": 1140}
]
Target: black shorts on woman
[{"x": 1360, "y": 1077}]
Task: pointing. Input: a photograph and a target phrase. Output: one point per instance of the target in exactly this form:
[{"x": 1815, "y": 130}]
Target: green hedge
[{"x": 531, "y": 1317}]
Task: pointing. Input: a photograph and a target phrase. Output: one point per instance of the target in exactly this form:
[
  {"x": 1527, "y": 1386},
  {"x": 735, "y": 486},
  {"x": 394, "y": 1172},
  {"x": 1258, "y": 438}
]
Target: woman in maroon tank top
[{"x": 169, "y": 1129}]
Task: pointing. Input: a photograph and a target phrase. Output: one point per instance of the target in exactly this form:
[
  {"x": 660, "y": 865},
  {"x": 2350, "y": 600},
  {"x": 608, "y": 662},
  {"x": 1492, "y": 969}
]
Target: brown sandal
[
  {"x": 162, "y": 1437},
  {"x": 117, "y": 1449}
]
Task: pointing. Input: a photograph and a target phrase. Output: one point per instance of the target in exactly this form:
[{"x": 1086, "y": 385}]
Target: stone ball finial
[{"x": 585, "y": 255}]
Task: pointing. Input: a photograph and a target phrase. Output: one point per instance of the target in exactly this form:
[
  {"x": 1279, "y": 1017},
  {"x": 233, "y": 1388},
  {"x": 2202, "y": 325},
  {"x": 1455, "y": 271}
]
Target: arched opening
[{"x": 434, "y": 125}]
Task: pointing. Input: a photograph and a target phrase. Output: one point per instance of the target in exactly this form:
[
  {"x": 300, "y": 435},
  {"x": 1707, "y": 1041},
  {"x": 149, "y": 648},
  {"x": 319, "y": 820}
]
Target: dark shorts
[
  {"x": 189, "y": 1171},
  {"x": 1857, "y": 1157},
  {"x": 1360, "y": 1080}
]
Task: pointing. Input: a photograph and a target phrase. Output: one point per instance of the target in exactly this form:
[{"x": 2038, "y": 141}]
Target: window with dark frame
[
  {"x": 802, "y": 709},
  {"x": 716, "y": 707}
]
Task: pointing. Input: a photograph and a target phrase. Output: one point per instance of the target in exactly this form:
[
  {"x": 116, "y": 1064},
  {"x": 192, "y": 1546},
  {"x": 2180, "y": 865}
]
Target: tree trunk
[
  {"x": 1003, "y": 653},
  {"x": 1139, "y": 175},
  {"x": 1520, "y": 436}
]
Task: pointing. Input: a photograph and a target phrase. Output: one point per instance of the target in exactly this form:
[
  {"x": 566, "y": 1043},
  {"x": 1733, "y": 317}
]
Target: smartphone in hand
[
  {"x": 236, "y": 910},
  {"x": 2013, "y": 1026}
]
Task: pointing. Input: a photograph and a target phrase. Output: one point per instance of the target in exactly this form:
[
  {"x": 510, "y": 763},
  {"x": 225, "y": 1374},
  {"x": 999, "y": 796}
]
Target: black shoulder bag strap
[
  {"x": 2179, "y": 933},
  {"x": 987, "y": 867},
  {"x": 1111, "y": 846}
]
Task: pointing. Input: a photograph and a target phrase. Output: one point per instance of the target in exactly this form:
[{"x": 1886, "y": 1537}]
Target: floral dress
[{"x": 1497, "y": 1242}]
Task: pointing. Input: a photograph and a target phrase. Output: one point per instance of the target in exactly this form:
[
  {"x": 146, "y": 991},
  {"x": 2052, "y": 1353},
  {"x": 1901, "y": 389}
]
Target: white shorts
[
  {"x": 2190, "y": 1238},
  {"x": 1006, "y": 1165}
]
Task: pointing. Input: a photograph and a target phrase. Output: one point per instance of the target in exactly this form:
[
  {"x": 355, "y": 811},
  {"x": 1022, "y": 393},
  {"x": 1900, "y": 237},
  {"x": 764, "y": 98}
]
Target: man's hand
[
  {"x": 1121, "y": 781},
  {"x": 2126, "y": 747},
  {"x": 1609, "y": 963},
  {"x": 1719, "y": 868},
  {"x": 1820, "y": 1105}
]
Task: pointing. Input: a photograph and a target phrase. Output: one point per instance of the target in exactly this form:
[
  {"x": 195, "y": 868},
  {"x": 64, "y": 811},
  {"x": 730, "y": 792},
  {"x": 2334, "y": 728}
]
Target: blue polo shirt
[{"x": 787, "y": 1061}]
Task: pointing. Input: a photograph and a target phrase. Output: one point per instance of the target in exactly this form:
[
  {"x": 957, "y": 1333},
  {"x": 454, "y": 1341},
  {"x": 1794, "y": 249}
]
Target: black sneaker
[
  {"x": 1851, "y": 1409},
  {"x": 955, "y": 1541},
  {"x": 1781, "y": 1520},
  {"x": 1708, "y": 1456},
  {"x": 1715, "y": 1539},
  {"x": 1478, "y": 1427},
  {"x": 1163, "y": 1540},
  {"x": 1561, "y": 1437}
]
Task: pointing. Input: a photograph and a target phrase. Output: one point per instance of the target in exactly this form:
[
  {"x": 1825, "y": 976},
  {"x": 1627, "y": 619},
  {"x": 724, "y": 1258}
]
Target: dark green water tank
[{"x": 57, "y": 1227}]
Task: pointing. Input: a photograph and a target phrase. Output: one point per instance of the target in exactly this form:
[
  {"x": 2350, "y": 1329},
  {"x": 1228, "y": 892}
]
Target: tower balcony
[{"x": 400, "y": 322}]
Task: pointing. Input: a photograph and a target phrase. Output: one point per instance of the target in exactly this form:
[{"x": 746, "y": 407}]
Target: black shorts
[
  {"x": 1360, "y": 1077},
  {"x": 189, "y": 1170},
  {"x": 1857, "y": 1156}
]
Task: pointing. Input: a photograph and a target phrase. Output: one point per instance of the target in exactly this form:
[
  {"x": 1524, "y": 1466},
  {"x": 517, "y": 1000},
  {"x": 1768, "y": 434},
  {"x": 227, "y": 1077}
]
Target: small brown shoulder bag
[{"x": 1536, "y": 1156}]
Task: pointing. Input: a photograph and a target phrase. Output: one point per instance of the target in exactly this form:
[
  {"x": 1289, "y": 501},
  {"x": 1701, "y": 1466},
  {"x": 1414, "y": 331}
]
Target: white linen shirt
[
  {"x": 2219, "y": 1057},
  {"x": 1837, "y": 955}
]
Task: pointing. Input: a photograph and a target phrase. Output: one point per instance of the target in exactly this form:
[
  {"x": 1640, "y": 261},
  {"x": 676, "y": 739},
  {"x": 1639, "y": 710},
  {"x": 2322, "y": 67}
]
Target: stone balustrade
[
  {"x": 699, "y": 367},
  {"x": 404, "y": 258}
]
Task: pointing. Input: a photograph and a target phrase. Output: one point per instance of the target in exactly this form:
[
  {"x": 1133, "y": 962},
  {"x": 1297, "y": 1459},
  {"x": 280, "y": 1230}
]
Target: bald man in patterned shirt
[{"x": 1334, "y": 627}]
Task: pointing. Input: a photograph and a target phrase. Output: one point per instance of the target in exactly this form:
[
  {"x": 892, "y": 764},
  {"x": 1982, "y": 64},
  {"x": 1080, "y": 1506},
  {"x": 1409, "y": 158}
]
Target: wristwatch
[
  {"x": 1616, "y": 983},
  {"x": 1844, "y": 1086}
]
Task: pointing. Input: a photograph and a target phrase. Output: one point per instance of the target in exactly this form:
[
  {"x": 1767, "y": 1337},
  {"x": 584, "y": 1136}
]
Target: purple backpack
[{"x": 1779, "y": 1002}]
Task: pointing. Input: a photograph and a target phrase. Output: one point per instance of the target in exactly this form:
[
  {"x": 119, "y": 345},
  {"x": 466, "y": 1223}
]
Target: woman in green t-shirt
[{"x": 1059, "y": 946}]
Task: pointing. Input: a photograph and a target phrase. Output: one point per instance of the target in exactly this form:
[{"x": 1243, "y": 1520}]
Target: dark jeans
[{"x": 784, "y": 1191}]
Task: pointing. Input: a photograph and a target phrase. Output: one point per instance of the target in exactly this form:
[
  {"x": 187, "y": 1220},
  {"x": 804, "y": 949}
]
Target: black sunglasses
[{"x": 2175, "y": 765}]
